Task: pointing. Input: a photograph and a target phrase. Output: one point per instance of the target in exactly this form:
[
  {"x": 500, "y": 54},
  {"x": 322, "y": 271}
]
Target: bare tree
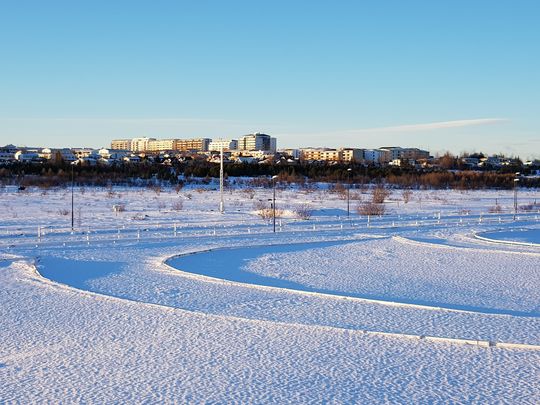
[
  {"x": 303, "y": 211},
  {"x": 407, "y": 195},
  {"x": 379, "y": 194},
  {"x": 177, "y": 205}
]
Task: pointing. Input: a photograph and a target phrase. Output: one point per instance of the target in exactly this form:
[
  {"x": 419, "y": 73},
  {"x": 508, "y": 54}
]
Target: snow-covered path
[
  {"x": 140, "y": 275},
  {"x": 61, "y": 345}
]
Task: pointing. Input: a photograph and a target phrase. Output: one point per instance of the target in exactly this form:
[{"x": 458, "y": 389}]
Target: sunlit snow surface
[
  {"x": 522, "y": 236},
  {"x": 227, "y": 311}
]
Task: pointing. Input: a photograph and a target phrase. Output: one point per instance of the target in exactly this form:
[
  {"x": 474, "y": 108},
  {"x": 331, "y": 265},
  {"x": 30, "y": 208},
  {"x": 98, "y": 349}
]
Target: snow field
[
  {"x": 109, "y": 321},
  {"x": 83, "y": 348}
]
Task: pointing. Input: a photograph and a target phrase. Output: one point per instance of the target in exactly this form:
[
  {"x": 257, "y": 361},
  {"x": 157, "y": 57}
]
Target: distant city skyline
[{"x": 443, "y": 76}]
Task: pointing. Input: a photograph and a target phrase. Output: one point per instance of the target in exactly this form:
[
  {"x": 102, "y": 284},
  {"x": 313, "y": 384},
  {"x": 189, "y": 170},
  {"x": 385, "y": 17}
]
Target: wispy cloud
[
  {"x": 122, "y": 120},
  {"x": 432, "y": 125}
]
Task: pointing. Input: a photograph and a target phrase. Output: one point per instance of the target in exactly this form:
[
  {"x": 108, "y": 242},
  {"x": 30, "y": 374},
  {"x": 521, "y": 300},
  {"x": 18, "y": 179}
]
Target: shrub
[
  {"x": 250, "y": 193},
  {"x": 177, "y": 205},
  {"x": 161, "y": 205},
  {"x": 341, "y": 191},
  {"x": 119, "y": 207},
  {"x": 371, "y": 209},
  {"x": 530, "y": 207},
  {"x": 63, "y": 211},
  {"x": 496, "y": 209},
  {"x": 407, "y": 195},
  {"x": 303, "y": 211},
  {"x": 268, "y": 213},
  {"x": 156, "y": 188},
  {"x": 379, "y": 194}
]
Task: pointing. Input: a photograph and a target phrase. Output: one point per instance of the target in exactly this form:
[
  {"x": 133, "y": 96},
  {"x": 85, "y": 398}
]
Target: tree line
[{"x": 59, "y": 175}]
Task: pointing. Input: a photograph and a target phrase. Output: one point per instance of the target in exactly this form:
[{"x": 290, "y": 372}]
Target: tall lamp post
[
  {"x": 274, "y": 200},
  {"x": 348, "y": 191},
  {"x": 72, "y": 195},
  {"x": 221, "y": 204},
  {"x": 516, "y": 181}
]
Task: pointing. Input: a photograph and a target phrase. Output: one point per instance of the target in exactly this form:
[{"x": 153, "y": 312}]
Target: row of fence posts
[{"x": 176, "y": 232}]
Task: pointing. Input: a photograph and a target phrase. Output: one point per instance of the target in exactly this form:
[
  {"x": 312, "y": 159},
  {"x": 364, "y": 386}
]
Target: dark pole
[
  {"x": 274, "y": 201},
  {"x": 348, "y": 191},
  {"x": 72, "y": 185},
  {"x": 516, "y": 180}
]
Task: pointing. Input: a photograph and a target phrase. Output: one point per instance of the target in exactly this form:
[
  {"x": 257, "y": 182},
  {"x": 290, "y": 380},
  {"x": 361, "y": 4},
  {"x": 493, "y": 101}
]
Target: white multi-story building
[
  {"x": 140, "y": 144},
  {"x": 257, "y": 141},
  {"x": 373, "y": 155},
  {"x": 226, "y": 144},
  {"x": 158, "y": 145},
  {"x": 389, "y": 153}
]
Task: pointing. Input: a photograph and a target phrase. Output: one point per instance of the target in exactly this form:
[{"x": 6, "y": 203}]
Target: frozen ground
[{"x": 324, "y": 310}]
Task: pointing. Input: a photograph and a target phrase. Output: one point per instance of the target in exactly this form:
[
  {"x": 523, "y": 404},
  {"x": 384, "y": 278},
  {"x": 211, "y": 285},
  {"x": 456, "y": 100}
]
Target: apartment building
[
  {"x": 158, "y": 145},
  {"x": 257, "y": 141},
  {"x": 332, "y": 155},
  {"x": 226, "y": 144},
  {"x": 391, "y": 153},
  {"x": 352, "y": 155},
  {"x": 121, "y": 144},
  {"x": 195, "y": 144},
  {"x": 140, "y": 144},
  {"x": 414, "y": 154},
  {"x": 373, "y": 155}
]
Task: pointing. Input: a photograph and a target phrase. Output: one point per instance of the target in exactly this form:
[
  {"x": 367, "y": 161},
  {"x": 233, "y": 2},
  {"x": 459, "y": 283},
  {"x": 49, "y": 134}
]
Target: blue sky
[{"x": 442, "y": 75}]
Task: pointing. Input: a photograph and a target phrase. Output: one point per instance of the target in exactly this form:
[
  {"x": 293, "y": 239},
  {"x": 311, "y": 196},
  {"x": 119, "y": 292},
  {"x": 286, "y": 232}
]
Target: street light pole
[
  {"x": 516, "y": 181},
  {"x": 221, "y": 204},
  {"x": 72, "y": 197},
  {"x": 274, "y": 201},
  {"x": 348, "y": 191}
]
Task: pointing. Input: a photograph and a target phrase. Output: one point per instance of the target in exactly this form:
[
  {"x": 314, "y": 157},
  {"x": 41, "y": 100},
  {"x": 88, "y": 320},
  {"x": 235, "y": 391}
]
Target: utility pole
[
  {"x": 274, "y": 200},
  {"x": 516, "y": 181},
  {"x": 221, "y": 204},
  {"x": 72, "y": 196},
  {"x": 348, "y": 191}
]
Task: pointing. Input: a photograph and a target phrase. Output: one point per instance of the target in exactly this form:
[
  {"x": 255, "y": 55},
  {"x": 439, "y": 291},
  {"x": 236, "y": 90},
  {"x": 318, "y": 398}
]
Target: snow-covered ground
[{"x": 169, "y": 300}]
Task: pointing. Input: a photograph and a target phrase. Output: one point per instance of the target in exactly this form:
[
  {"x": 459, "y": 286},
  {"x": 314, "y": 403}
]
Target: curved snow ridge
[
  {"x": 326, "y": 295},
  {"x": 413, "y": 242},
  {"x": 506, "y": 242},
  {"x": 433, "y": 339}
]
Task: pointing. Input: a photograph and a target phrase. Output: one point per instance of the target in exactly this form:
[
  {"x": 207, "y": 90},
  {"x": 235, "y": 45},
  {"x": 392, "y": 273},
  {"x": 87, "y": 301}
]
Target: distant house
[
  {"x": 27, "y": 157},
  {"x": 7, "y": 153}
]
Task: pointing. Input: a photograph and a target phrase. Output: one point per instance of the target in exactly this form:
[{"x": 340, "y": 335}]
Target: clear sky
[{"x": 438, "y": 74}]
